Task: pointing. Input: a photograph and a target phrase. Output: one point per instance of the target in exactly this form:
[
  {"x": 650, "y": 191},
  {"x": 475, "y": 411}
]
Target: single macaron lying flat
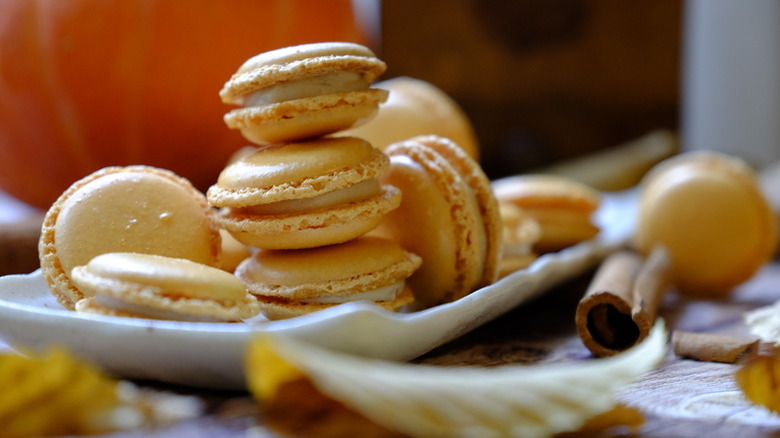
[
  {"x": 707, "y": 209},
  {"x": 297, "y": 282},
  {"x": 157, "y": 287},
  {"x": 124, "y": 209},
  {"x": 562, "y": 206},
  {"x": 304, "y": 194},
  {"x": 303, "y": 91},
  {"x": 448, "y": 216}
]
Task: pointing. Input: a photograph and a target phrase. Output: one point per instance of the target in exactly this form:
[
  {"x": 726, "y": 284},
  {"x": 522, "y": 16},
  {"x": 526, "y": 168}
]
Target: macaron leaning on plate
[
  {"x": 304, "y": 194},
  {"x": 292, "y": 283},
  {"x": 158, "y": 287},
  {"x": 124, "y": 209},
  {"x": 448, "y": 216},
  {"x": 303, "y": 91}
]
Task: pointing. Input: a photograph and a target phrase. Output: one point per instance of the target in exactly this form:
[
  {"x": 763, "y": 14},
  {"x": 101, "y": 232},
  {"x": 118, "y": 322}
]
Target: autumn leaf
[
  {"x": 759, "y": 380},
  {"x": 303, "y": 384}
]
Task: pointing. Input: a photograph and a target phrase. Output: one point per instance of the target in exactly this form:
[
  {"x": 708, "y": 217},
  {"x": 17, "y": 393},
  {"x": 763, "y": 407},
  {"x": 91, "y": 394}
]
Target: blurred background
[
  {"x": 86, "y": 84},
  {"x": 89, "y": 83},
  {"x": 543, "y": 81}
]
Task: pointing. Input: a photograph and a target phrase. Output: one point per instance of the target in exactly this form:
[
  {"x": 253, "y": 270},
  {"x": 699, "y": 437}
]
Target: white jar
[{"x": 731, "y": 78}]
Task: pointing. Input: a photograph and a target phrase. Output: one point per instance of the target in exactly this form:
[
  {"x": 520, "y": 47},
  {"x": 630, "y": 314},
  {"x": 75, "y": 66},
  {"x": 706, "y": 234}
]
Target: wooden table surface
[{"x": 682, "y": 398}]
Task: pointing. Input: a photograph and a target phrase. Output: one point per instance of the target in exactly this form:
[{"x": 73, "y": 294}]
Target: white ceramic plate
[{"x": 211, "y": 354}]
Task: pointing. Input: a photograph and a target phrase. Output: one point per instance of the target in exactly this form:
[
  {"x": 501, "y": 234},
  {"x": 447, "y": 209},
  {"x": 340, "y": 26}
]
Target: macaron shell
[
  {"x": 708, "y": 211},
  {"x": 438, "y": 219},
  {"x": 519, "y": 228},
  {"x": 478, "y": 182},
  {"x": 152, "y": 286},
  {"x": 305, "y": 118},
  {"x": 151, "y": 306},
  {"x": 548, "y": 191},
  {"x": 562, "y": 207},
  {"x": 233, "y": 251},
  {"x": 296, "y": 170},
  {"x": 416, "y": 107},
  {"x": 519, "y": 235},
  {"x": 561, "y": 229},
  {"x": 310, "y": 229},
  {"x": 363, "y": 264},
  {"x": 510, "y": 264},
  {"x": 282, "y": 309},
  {"x": 174, "y": 276},
  {"x": 132, "y": 209},
  {"x": 299, "y": 62}
]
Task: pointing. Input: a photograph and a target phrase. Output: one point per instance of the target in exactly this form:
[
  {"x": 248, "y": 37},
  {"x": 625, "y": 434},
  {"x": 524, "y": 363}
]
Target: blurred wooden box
[{"x": 543, "y": 80}]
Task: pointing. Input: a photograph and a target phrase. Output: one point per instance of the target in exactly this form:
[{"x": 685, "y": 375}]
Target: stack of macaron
[{"x": 305, "y": 199}]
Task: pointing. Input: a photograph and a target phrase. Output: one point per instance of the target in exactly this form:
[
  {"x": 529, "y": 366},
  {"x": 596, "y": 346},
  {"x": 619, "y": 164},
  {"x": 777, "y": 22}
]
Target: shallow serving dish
[{"x": 211, "y": 354}]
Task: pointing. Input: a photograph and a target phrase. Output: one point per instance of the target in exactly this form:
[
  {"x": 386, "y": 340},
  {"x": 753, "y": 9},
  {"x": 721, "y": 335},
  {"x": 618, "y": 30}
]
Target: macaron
[
  {"x": 124, "y": 209},
  {"x": 520, "y": 233},
  {"x": 416, "y": 107},
  {"x": 158, "y": 287},
  {"x": 303, "y": 91},
  {"x": 233, "y": 251},
  {"x": 709, "y": 212},
  {"x": 563, "y": 207},
  {"x": 297, "y": 282},
  {"x": 304, "y": 194},
  {"x": 448, "y": 216}
]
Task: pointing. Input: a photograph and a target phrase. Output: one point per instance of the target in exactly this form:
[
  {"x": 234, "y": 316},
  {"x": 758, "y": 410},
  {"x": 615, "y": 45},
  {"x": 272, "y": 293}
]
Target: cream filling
[
  {"x": 114, "y": 303},
  {"x": 386, "y": 293},
  {"x": 358, "y": 192},
  {"x": 309, "y": 87}
]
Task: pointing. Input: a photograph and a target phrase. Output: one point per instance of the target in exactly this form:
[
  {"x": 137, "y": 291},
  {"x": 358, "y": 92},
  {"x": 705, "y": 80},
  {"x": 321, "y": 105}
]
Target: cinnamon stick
[
  {"x": 619, "y": 308},
  {"x": 709, "y": 347}
]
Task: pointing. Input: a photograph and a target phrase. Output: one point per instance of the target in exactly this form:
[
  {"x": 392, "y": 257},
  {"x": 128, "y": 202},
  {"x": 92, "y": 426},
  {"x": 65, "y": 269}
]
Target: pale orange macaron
[
  {"x": 303, "y": 91},
  {"x": 124, "y": 209},
  {"x": 304, "y": 194},
  {"x": 297, "y": 282},
  {"x": 562, "y": 207},
  {"x": 158, "y": 287},
  {"x": 416, "y": 107},
  {"x": 708, "y": 210},
  {"x": 448, "y": 216}
]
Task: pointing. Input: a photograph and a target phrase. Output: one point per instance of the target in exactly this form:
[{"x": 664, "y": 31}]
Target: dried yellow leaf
[
  {"x": 52, "y": 395},
  {"x": 56, "y": 394},
  {"x": 759, "y": 380},
  {"x": 293, "y": 405},
  {"x": 302, "y": 383},
  {"x": 266, "y": 370},
  {"x": 618, "y": 416}
]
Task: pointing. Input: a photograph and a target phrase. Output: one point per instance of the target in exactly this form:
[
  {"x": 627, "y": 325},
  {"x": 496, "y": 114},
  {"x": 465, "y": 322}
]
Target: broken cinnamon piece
[
  {"x": 620, "y": 305},
  {"x": 710, "y": 347}
]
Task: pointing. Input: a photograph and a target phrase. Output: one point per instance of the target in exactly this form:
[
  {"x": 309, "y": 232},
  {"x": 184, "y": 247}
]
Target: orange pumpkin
[{"x": 90, "y": 83}]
